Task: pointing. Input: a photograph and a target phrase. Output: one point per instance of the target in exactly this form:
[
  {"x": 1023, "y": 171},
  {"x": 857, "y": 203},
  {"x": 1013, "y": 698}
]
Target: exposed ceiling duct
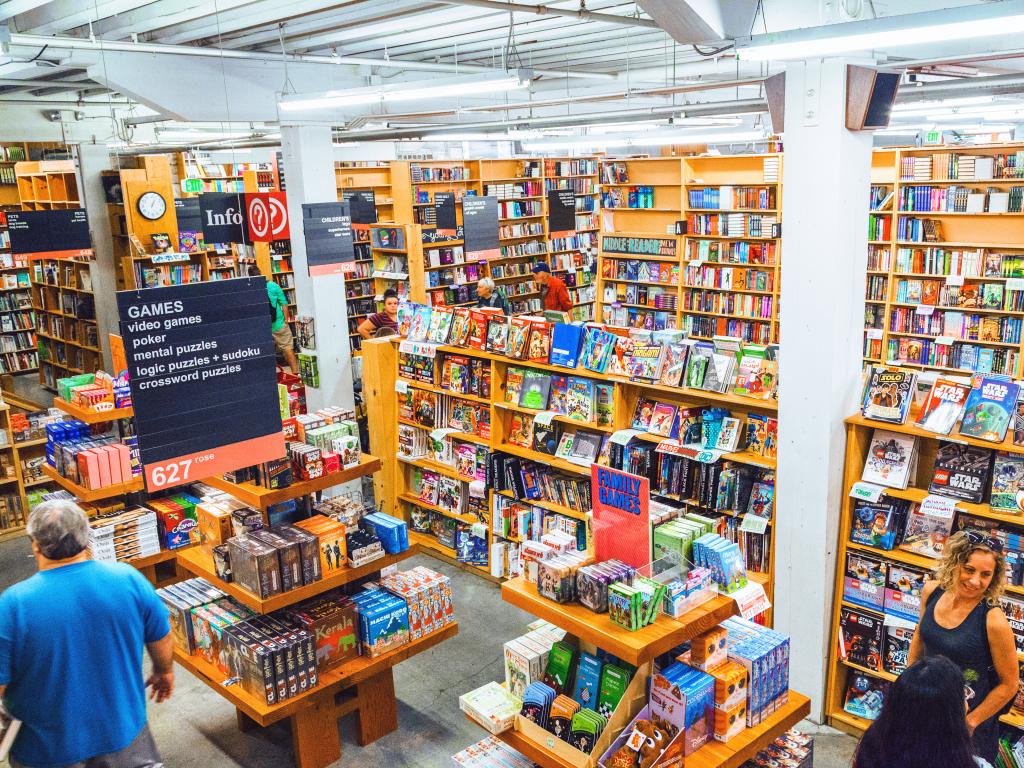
[{"x": 546, "y": 10}]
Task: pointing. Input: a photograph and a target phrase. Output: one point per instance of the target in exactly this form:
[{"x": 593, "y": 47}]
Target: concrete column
[
  {"x": 309, "y": 178},
  {"x": 826, "y": 179},
  {"x": 93, "y": 159}
]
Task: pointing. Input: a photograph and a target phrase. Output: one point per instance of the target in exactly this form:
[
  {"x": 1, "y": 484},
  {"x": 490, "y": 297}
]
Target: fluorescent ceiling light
[
  {"x": 1002, "y": 114},
  {"x": 965, "y": 23},
  {"x": 923, "y": 107},
  {"x": 409, "y": 91},
  {"x": 658, "y": 140}
]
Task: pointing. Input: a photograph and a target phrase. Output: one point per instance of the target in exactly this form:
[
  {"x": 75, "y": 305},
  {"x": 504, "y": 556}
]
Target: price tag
[
  {"x": 924, "y": 309},
  {"x": 477, "y": 489},
  {"x": 421, "y": 348},
  {"x": 544, "y": 418},
  {"x": 938, "y": 506},
  {"x": 751, "y": 600},
  {"x": 947, "y": 340},
  {"x": 866, "y": 491},
  {"x": 479, "y": 530},
  {"x": 754, "y": 523},
  {"x": 623, "y": 436},
  {"x": 874, "y": 333},
  {"x": 956, "y": 280},
  {"x": 441, "y": 433},
  {"x": 1015, "y": 284},
  {"x": 401, "y": 386}
]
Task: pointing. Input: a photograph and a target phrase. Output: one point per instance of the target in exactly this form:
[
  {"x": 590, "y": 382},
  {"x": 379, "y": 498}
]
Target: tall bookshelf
[
  {"x": 955, "y": 296},
  {"x": 197, "y": 173},
  {"x": 574, "y": 258},
  {"x": 641, "y": 203},
  {"x": 881, "y": 218},
  {"x": 17, "y": 314},
  {"x": 732, "y": 260}
]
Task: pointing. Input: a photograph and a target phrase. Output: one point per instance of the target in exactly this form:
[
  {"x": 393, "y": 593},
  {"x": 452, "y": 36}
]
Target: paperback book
[
  {"x": 943, "y": 406},
  {"x": 889, "y": 395},
  {"x": 890, "y": 458},
  {"x": 989, "y": 408},
  {"x": 961, "y": 472}
]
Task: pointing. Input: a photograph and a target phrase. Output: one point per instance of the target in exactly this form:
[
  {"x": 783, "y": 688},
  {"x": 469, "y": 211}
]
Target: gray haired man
[{"x": 71, "y": 640}]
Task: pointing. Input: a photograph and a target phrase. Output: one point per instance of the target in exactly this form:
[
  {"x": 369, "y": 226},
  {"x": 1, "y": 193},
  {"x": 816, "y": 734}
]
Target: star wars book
[
  {"x": 860, "y": 638},
  {"x": 889, "y": 395},
  {"x": 989, "y": 408},
  {"x": 943, "y": 406},
  {"x": 1008, "y": 483},
  {"x": 961, "y": 472},
  {"x": 891, "y": 456}
]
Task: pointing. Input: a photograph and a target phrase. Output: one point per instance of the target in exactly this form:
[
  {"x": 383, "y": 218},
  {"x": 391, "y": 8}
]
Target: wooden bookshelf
[
  {"x": 197, "y": 173},
  {"x": 957, "y": 269},
  {"x": 574, "y": 258},
  {"x": 86, "y": 494},
  {"x": 68, "y": 338}
]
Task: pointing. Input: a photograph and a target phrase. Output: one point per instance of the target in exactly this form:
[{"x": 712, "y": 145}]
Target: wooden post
[
  {"x": 378, "y": 710},
  {"x": 380, "y": 371},
  {"x": 315, "y": 736}
]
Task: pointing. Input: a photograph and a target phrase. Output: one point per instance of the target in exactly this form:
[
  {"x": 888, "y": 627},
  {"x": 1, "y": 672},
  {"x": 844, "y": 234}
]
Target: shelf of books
[
  {"x": 10, "y": 153},
  {"x": 13, "y": 507},
  {"x": 880, "y": 247},
  {"x": 197, "y": 173},
  {"x": 956, "y": 286},
  {"x": 573, "y": 258},
  {"x": 731, "y": 265},
  {"x": 923, "y": 461},
  {"x": 67, "y": 335},
  {"x": 496, "y": 431}
]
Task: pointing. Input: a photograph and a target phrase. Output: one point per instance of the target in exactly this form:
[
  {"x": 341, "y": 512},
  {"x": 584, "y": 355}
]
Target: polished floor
[{"x": 197, "y": 728}]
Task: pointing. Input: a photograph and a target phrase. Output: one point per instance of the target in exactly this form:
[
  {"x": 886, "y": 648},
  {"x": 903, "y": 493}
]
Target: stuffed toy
[{"x": 644, "y": 745}]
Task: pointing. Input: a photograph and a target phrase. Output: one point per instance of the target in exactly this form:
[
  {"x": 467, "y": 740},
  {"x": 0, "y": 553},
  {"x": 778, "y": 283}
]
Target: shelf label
[
  {"x": 1012, "y": 283},
  {"x": 924, "y": 309},
  {"x": 751, "y": 600},
  {"x": 938, "y": 506},
  {"x": 199, "y": 355},
  {"x": 866, "y": 491},
  {"x": 754, "y": 523},
  {"x": 544, "y": 418},
  {"x": 954, "y": 280},
  {"x": 439, "y": 434},
  {"x": 401, "y": 386},
  {"x": 623, "y": 436},
  {"x": 479, "y": 530},
  {"x": 169, "y": 258},
  {"x": 420, "y": 348},
  {"x": 947, "y": 340},
  {"x": 874, "y": 333}
]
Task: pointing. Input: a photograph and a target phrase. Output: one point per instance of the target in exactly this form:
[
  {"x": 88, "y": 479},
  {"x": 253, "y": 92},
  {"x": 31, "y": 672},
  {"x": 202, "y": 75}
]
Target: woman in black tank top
[{"x": 961, "y": 620}]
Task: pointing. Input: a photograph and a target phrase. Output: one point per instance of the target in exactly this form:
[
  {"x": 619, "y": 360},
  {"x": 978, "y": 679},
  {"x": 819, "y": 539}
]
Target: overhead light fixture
[
  {"x": 651, "y": 140},
  {"x": 408, "y": 91},
  {"x": 965, "y": 23},
  {"x": 923, "y": 107}
]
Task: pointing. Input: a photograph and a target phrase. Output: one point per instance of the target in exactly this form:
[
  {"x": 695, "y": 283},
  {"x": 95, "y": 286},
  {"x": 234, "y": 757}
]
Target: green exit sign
[
  {"x": 932, "y": 137},
  {"x": 192, "y": 185}
]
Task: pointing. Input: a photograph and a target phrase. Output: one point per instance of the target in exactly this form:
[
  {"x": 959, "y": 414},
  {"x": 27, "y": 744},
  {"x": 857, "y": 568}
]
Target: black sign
[
  {"x": 186, "y": 210},
  {"x": 49, "y": 234},
  {"x": 223, "y": 217},
  {"x": 362, "y": 204},
  {"x": 327, "y": 228},
  {"x": 112, "y": 192},
  {"x": 561, "y": 212},
  {"x": 480, "y": 225},
  {"x": 203, "y": 378},
  {"x": 444, "y": 212}
]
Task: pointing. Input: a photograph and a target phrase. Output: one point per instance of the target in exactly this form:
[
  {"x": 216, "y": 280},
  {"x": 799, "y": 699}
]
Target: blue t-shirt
[{"x": 71, "y": 644}]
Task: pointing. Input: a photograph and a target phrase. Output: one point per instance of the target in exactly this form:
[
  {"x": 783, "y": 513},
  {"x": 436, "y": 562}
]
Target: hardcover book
[
  {"x": 889, "y": 396},
  {"x": 645, "y": 362},
  {"x": 663, "y": 419},
  {"x": 860, "y": 640},
  {"x": 520, "y": 430},
  {"x": 643, "y": 413},
  {"x": 926, "y": 533},
  {"x": 497, "y": 334},
  {"x": 565, "y": 345},
  {"x": 535, "y": 391},
  {"x": 943, "y": 406},
  {"x": 961, "y": 472},
  {"x": 878, "y": 524},
  {"x": 889, "y": 460},
  {"x": 1008, "y": 483},
  {"x": 558, "y": 399},
  {"x": 580, "y": 399},
  {"x": 990, "y": 405},
  {"x": 618, "y": 364},
  {"x": 598, "y": 348},
  {"x": 518, "y": 335}
]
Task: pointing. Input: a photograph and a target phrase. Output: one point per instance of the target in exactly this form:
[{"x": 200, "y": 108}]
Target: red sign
[
  {"x": 622, "y": 516},
  {"x": 268, "y": 216}
]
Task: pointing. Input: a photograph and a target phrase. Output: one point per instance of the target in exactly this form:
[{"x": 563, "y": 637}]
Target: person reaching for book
[
  {"x": 922, "y": 723},
  {"x": 961, "y": 620}
]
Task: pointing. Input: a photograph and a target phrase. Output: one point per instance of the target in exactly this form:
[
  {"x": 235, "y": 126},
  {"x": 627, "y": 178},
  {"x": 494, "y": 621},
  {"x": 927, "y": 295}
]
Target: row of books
[
  {"x": 578, "y": 242},
  {"x": 943, "y": 166},
  {"x": 639, "y": 271},
  {"x": 18, "y": 361},
  {"x": 649, "y": 296},
  {"x": 879, "y": 257},
  {"x": 581, "y": 186},
  {"x": 439, "y": 173},
  {"x": 519, "y": 250},
  {"x": 519, "y": 210},
  {"x": 514, "y": 231},
  {"x": 879, "y": 227},
  {"x": 956, "y": 199},
  {"x": 954, "y": 261},
  {"x": 939, "y": 293},
  {"x": 729, "y": 198},
  {"x": 581, "y": 167},
  {"x": 749, "y": 331},
  {"x": 641, "y": 319},
  {"x": 961, "y": 326},
  {"x": 731, "y": 253},
  {"x": 440, "y": 257},
  {"x": 731, "y": 224},
  {"x": 914, "y": 230},
  {"x": 512, "y": 190},
  {"x": 468, "y": 274},
  {"x": 639, "y": 197},
  {"x": 961, "y": 356},
  {"x": 717, "y": 302}
]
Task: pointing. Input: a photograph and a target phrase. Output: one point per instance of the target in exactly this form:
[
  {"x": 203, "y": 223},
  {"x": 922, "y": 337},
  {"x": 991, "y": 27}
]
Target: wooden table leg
[
  {"x": 245, "y": 723},
  {"x": 378, "y": 710},
  {"x": 315, "y": 738}
]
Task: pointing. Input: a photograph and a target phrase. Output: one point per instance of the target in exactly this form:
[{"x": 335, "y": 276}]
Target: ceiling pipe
[
  {"x": 544, "y": 10},
  {"x": 59, "y": 42},
  {"x": 38, "y": 83}
]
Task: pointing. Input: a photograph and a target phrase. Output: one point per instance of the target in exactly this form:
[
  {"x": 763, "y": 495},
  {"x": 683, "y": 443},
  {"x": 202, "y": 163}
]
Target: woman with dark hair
[
  {"x": 922, "y": 724},
  {"x": 371, "y": 326},
  {"x": 961, "y": 620}
]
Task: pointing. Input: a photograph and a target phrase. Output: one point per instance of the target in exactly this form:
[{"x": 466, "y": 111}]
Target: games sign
[
  {"x": 622, "y": 516},
  {"x": 201, "y": 367}
]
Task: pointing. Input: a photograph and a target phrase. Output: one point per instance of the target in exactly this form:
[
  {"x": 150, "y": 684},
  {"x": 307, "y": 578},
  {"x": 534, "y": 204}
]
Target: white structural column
[
  {"x": 93, "y": 159},
  {"x": 824, "y": 260},
  {"x": 309, "y": 178}
]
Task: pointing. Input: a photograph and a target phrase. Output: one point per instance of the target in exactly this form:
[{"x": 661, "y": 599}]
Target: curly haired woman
[{"x": 961, "y": 620}]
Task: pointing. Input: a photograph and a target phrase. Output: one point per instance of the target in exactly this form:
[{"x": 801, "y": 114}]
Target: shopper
[
  {"x": 961, "y": 620},
  {"x": 71, "y": 639},
  {"x": 284, "y": 342},
  {"x": 371, "y": 326},
  {"x": 922, "y": 723},
  {"x": 487, "y": 296},
  {"x": 552, "y": 289}
]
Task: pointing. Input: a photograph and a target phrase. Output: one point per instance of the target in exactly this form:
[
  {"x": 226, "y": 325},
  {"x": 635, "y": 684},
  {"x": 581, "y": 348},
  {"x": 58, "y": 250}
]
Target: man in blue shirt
[{"x": 71, "y": 641}]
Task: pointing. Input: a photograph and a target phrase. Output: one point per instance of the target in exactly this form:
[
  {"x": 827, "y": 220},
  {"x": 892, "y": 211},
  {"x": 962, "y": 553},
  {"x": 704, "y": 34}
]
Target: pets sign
[{"x": 622, "y": 525}]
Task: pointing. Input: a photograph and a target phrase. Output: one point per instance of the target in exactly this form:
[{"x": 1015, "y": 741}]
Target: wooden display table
[
  {"x": 90, "y": 416},
  {"x": 258, "y": 497},
  {"x": 84, "y": 494}
]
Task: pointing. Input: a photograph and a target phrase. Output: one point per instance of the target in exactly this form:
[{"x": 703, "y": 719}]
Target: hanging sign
[
  {"x": 362, "y": 205},
  {"x": 327, "y": 231},
  {"x": 203, "y": 378},
  {"x": 60, "y": 234},
  {"x": 622, "y": 524},
  {"x": 480, "y": 227},
  {"x": 444, "y": 213},
  {"x": 267, "y": 216},
  {"x": 223, "y": 217},
  {"x": 561, "y": 212},
  {"x": 188, "y": 215}
]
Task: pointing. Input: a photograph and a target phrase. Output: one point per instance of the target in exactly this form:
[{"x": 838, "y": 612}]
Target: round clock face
[{"x": 152, "y": 205}]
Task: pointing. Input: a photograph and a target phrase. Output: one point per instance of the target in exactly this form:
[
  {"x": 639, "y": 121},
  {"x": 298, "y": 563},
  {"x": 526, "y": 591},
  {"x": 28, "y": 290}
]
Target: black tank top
[{"x": 967, "y": 647}]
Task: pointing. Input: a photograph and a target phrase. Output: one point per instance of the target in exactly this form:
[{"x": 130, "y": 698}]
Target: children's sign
[{"x": 622, "y": 519}]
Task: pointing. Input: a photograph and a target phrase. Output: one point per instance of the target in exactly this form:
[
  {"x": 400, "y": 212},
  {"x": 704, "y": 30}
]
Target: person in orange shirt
[{"x": 552, "y": 289}]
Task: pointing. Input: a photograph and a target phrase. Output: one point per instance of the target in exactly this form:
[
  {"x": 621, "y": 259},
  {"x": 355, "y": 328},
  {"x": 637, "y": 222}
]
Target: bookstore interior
[{"x": 535, "y": 479}]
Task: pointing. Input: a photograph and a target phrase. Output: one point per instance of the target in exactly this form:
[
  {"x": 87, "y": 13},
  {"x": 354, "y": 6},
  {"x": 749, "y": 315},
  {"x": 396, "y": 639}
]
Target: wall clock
[{"x": 152, "y": 205}]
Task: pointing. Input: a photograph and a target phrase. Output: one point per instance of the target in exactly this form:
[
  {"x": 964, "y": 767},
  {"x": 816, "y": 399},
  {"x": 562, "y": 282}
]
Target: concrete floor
[{"x": 196, "y": 728}]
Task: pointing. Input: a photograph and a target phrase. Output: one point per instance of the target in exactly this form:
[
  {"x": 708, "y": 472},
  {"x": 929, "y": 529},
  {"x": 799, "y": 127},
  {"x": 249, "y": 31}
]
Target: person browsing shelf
[
  {"x": 552, "y": 289},
  {"x": 922, "y": 724},
  {"x": 487, "y": 296},
  {"x": 71, "y": 640},
  {"x": 961, "y": 620},
  {"x": 371, "y": 326},
  {"x": 284, "y": 342}
]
